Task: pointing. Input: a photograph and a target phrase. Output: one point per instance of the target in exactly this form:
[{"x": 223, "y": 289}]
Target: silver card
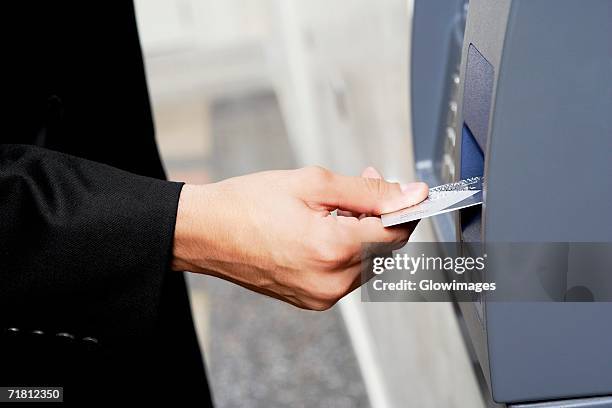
[{"x": 441, "y": 199}]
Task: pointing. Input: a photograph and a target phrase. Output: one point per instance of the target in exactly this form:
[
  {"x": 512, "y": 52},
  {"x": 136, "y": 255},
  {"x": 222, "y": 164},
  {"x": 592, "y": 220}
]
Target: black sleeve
[{"x": 84, "y": 247}]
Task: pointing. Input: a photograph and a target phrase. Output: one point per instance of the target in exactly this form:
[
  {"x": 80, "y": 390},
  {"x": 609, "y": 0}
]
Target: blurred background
[{"x": 239, "y": 86}]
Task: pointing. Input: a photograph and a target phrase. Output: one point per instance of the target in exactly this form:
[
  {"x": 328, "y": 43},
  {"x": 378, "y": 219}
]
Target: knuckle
[
  {"x": 380, "y": 189},
  {"x": 319, "y": 306},
  {"x": 330, "y": 289},
  {"x": 376, "y": 186},
  {"x": 332, "y": 256},
  {"x": 315, "y": 179},
  {"x": 329, "y": 294},
  {"x": 325, "y": 289},
  {"x": 318, "y": 173},
  {"x": 328, "y": 256}
]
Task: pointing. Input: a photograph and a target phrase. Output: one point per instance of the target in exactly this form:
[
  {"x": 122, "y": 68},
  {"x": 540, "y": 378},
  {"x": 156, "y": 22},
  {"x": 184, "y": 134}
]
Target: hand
[{"x": 272, "y": 232}]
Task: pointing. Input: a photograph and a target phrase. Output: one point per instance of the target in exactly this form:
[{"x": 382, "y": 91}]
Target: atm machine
[{"x": 520, "y": 92}]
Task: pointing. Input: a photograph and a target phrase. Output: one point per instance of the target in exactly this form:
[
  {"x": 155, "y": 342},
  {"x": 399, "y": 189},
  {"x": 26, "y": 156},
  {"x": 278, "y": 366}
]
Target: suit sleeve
[{"x": 84, "y": 247}]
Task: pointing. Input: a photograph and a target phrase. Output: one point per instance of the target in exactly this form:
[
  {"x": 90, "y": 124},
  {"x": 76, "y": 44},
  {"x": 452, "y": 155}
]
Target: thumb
[
  {"x": 371, "y": 172},
  {"x": 373, "y": 195}
]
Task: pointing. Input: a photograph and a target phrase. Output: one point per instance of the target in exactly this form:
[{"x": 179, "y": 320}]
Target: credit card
[{"x": 441, "y": 199}]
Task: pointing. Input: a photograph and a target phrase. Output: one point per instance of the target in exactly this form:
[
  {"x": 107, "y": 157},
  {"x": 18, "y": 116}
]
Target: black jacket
[{"x": 87, "y": 299}]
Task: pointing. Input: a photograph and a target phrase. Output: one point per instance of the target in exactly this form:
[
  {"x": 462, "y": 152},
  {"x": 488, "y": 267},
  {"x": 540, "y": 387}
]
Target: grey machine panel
[
  {"x": 545, "y": 143},
  {"x": 437, "y": 39}
]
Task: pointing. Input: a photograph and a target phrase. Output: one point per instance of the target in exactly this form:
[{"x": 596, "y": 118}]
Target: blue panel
[
  {"x": 479, "y": 76},
  {"x": 472, "y": 158},
  {"x": 477, "y": 97},
  {"x": 472, "y": 165}
]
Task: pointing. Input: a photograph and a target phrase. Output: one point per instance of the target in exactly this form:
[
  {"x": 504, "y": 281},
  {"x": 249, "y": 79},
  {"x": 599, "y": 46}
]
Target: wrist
[{"x": 187, "y": 219}]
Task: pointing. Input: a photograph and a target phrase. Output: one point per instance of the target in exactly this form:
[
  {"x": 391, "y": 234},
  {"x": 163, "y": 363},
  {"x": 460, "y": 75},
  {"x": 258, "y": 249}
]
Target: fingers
[
  {"x": 371, "y": 172},
  {"x": 372, "y": 195},
  {"x": 323, "y": 189},
  {"x": 347, "y": 213}
]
